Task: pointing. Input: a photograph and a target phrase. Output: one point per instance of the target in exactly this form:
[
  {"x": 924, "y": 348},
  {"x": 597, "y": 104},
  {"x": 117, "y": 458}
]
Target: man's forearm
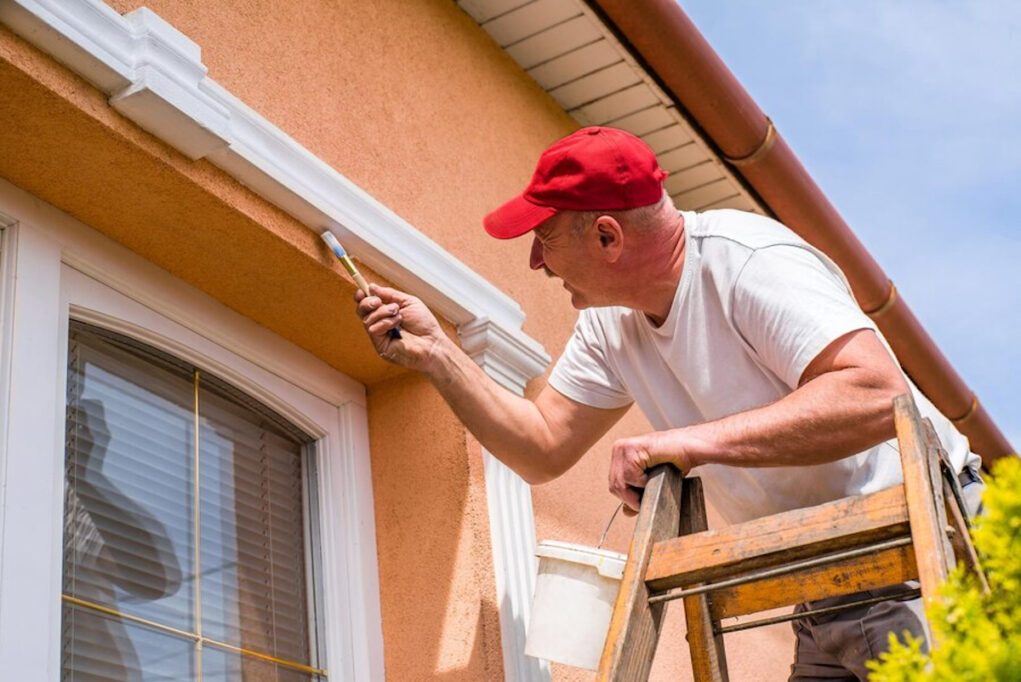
[
  {"x": 828, "y": 418},
  {"x": 509, "y": 426}
]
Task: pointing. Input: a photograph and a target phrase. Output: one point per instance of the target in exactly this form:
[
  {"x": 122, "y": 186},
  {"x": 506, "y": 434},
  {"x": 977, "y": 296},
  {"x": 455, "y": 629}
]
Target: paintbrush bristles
[
  {"x": 338, "y": 251},
  {"x": 334, "y": 244}
]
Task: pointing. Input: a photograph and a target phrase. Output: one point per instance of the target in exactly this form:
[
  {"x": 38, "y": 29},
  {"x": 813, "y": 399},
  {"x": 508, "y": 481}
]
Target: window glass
[{"x": 184, "y": 557}]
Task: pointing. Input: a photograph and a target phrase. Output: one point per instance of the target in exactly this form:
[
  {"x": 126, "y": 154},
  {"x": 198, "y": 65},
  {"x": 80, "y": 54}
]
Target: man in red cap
[{"x": 741, "y": 343}]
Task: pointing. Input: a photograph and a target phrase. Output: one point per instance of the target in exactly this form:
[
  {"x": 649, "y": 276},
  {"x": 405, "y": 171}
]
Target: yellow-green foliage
[{"x": 980, "y": 634}]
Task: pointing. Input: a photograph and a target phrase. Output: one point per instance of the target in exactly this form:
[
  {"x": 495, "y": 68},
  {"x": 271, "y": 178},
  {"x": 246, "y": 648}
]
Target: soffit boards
[{"x": 575, "y": 58}]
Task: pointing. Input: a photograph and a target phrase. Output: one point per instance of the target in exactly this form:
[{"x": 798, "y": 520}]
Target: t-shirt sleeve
[
  {"x": 583, "y": 372},
  {"x": 789, "y": 305}
]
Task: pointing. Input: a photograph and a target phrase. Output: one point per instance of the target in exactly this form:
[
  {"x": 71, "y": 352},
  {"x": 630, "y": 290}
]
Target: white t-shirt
[{"x": 755, "y": 305}]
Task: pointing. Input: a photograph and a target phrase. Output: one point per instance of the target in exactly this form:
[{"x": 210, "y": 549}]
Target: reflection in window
[{"x": 186, "y": 538}]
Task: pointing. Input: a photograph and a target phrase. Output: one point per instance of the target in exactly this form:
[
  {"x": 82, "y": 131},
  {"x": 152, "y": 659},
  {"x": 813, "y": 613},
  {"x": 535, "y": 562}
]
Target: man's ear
[{"x": 611, "y": 237}]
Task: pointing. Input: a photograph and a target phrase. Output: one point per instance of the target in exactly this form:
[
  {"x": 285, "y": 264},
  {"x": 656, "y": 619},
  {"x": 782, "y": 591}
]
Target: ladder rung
[
  {"x": 748, "y": 625},
  {"x": 780, "y": 571},
  {"x": 887, "y": 567},
  {"x": 778, "y": 539}
]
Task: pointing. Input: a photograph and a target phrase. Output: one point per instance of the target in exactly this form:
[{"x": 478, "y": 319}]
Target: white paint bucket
[{"x": 574, "y": 595}]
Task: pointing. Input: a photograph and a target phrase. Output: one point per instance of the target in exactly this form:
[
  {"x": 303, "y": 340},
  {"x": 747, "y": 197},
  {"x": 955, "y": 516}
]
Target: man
[{"x": 741, "y": 343}]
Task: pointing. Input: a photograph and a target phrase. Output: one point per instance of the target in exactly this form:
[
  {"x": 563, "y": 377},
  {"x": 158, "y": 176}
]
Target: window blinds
[{"x": 184, "y": 557}]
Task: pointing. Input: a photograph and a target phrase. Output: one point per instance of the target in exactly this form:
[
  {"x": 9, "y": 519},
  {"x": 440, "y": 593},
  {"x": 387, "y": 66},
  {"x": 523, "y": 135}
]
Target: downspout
[{"x": 662, "y": 37}]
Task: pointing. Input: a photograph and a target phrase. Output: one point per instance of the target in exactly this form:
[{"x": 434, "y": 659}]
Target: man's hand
[
  {"x": 385, "y": 309},
  {"x": 631, "y": 458}
]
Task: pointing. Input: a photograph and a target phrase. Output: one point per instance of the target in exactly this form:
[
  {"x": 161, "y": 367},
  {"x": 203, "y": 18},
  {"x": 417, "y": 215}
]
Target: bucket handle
[{"x": 607, "y": 529}]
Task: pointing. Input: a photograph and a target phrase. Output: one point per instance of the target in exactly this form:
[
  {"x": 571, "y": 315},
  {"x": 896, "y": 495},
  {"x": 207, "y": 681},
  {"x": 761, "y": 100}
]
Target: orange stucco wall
[{"x": 414, "y": 103}]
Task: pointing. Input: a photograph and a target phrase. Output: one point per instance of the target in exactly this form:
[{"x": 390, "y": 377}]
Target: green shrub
[{"x": 980, "y": 634}]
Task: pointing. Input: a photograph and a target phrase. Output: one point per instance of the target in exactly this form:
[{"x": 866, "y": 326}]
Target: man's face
[{"x": 563, "y": 251}]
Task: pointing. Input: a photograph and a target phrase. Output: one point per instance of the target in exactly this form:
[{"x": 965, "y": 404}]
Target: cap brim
[{"x": 516, "y": 217}]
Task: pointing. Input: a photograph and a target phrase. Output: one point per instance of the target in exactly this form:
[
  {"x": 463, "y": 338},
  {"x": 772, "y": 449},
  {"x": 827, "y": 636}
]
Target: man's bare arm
[
  {"x": 843, "y": 405},
  {"x": 539, "y": 440}
]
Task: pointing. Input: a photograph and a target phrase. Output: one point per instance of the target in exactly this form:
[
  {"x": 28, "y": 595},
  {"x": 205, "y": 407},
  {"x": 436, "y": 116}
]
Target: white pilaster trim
[
  {"x": 33, "y": 465},
  {"x": 509, "y": 497},
  {"x": 8, "y": 276},
  {"x": 512, "y": 528}
]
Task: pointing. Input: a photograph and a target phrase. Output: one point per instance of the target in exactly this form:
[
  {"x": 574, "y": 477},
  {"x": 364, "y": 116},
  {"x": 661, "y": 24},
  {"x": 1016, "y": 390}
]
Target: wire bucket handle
[{"x": 606, "y": 530}]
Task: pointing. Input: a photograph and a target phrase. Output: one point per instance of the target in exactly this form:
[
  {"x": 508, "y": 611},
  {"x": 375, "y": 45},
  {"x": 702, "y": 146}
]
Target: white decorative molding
[
  {"x": 89, "y": 37},
  {"x": 511, "y": 519},
  {"x": 165, "y": 96},
  {"x": 512, "y": 528},
  {"x": 154, "y": 75},
  {"x": 504, "y": 357},
  {"x": 8, "y": 275}
]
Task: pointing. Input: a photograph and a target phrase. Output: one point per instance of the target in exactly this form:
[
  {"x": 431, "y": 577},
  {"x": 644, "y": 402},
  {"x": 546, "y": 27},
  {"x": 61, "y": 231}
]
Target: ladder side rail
[
  {"x": 708, "y": 656},
  {"x": 924, "y": 495},
  {"x": 635, "y": 624}
]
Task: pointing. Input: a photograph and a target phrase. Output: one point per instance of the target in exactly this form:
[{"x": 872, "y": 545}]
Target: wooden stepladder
[{"x": 912, "y": 531}]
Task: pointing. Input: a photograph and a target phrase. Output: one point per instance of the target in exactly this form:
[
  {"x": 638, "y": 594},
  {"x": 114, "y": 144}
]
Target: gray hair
[{"x": 637, "y": 218}]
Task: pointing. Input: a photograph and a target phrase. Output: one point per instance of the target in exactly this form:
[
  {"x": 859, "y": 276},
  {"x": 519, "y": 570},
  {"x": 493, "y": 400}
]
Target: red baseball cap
[{"x": 592, "y": 169}]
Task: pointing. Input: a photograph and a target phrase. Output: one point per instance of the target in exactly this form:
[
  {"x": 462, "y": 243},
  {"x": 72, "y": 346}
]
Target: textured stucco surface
[
  {"x": 439, "y": 617},
  {"x": 415, "y": 104}
]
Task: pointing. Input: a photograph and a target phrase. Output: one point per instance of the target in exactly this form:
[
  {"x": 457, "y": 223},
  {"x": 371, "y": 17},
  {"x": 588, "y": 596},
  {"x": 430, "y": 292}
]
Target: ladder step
[
  {"x": 887, "y": 567},
  {"x": 778, "y": 539}
]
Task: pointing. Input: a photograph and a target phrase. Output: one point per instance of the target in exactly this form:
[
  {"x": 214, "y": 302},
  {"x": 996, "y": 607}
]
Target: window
[
  {"x": 187, "y": 535},
  {"x": 75, "y": 291}
]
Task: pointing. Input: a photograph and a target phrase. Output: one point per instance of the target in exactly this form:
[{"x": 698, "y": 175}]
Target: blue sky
[{"x": 907, "y": 114}]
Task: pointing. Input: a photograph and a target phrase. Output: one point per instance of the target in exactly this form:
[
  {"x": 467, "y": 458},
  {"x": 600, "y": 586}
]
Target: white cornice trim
[
  {"x": 504, "y": 357},
  {"x": 154, "y": 76},
  {"x": 89, "y": 37}
]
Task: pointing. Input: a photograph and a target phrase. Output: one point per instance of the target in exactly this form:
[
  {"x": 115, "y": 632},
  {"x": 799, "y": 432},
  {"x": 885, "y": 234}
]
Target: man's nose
[{"x": 535, "y": 259}]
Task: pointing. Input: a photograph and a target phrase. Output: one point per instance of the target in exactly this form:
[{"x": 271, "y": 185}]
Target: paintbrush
[{"x": 345, "y": 260}]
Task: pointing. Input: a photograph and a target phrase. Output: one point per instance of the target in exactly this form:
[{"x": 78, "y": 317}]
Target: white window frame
[{"x": 64, "y": 270}]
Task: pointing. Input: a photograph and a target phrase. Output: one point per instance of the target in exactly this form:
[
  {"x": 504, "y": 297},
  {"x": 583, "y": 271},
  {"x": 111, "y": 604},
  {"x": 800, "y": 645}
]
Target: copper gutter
[{"x": 663, "y": 38}]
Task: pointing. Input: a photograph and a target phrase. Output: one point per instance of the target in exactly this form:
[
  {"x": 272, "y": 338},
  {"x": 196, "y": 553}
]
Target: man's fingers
[
  {"x": 632, "y": 498},
  {"x": 383, "y": 312},
  {"x": 628, "y": 476},
  {"x": 635, "y": 477},
  {"x": 389, "y": 295},
  {"x": 384, "y": 325},
  {"x": 630, "y": 495},
  {"x": 368, "y": 304}
]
